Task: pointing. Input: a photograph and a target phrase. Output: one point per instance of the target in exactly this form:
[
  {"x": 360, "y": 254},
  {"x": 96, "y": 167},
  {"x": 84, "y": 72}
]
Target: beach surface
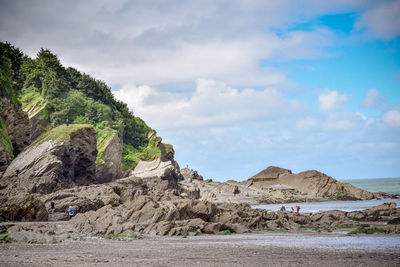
[{"x": 253, "y": 249}]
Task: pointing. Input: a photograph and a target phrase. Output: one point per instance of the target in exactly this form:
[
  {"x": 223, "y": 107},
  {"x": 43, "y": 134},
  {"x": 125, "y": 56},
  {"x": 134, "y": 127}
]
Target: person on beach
[
  {"x": 292, "y": 209},
  {"x": 70, "y": 212},
  {"x": 283, "y": 208},
  {"x": 298, "y": 209},
  {"x": 67, "y": 122},
  {"x": 53, "y": 207}
]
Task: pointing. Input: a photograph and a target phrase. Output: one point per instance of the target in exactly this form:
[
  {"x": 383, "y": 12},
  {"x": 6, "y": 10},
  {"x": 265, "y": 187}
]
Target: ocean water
[
  {"x": 314, "y": 207},
  {"x": 387, "y": 185}
]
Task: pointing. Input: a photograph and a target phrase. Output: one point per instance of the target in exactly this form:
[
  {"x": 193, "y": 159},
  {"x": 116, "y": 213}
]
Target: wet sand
[{"x": 256, "y": 249}]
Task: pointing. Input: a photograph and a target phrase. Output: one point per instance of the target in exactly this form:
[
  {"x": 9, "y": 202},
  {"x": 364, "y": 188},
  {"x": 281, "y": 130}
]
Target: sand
[{"x": 255, "y": 249}]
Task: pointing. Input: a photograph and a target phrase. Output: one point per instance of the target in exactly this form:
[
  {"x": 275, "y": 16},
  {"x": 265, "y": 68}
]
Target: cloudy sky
[{"x": 237, "y": 86}]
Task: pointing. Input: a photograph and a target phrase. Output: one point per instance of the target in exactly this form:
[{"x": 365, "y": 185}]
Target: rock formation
[
  {"x": 189, "y": 175},
  {"x": 17, "y": 124},
  {"x": 313, "y": 183},
  {"x": 270, "y": 173},
  {"x": 63, "y": 157},
  {"x": 321, "y": 185},
  {"x": 111, "y": 167}
]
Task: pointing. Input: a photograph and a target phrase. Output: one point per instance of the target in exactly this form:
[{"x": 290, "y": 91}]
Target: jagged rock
[
  {"x": 385, "y": 209},
  {"x": 111, "y": 167},
  {"x": 166, "y": 170},
  {"x": 270, "y": 173},
  {"x": 22, "y": 207},
  {"x": 17, "y": 124},
  {"x": 63, "y": 157},
  {"x": 321, "y": 185},
  {"x": 189, "y": 175},
  {"x": 192, "y": 192}
]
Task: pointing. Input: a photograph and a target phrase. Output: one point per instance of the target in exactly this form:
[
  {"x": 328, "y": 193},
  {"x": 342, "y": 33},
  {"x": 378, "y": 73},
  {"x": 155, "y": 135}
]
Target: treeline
[{"x": 67, "y": 93}]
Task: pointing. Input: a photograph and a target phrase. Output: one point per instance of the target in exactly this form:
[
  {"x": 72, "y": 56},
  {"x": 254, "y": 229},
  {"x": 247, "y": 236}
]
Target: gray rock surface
[
  {"x": 49, "y": 165},
  {"x": 17, "y": 124},
  {"x": 189, "y": 175},
  {"x": 111, "y": 169}
]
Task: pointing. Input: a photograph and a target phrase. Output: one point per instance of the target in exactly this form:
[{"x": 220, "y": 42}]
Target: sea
[{"x": 387, "y": 185}]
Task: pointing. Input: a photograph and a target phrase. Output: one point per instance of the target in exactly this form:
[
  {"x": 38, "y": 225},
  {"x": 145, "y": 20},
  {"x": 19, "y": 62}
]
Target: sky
[{"x": 237, "y": 86}]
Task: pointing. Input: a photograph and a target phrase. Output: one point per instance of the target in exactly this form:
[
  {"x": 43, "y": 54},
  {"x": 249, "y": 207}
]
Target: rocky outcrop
[
  {"x": 17, "y": 124},
  {"x": 22, "y": 206},
  {"x": 189, "y": 175},
  {"x": 63, "y": 157},
  {"x": 166, "y": 170},
  {"x": 111, "y": 167},
  {"x": 270, "y": 173},
  {"x": 312, "y": 183},
  {"x": 321, "y": 185}
]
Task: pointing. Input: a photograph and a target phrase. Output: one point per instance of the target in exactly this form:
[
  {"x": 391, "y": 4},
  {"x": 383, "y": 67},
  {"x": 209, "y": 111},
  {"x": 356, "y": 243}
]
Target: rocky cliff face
[
  {"x": 17, "y": 124},
  {"x": 63, "y": 157},
  {"x": 111, "y": 169}
]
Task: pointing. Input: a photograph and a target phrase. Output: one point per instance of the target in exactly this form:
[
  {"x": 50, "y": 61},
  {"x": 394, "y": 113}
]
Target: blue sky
[{"x": 237, "y": 86}]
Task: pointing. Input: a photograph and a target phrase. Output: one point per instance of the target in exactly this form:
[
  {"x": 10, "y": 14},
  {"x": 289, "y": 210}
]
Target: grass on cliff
[
  {"x": 4, "y": 138},
  {"x": 32, "y": 101},
  {"x": 131, "y": 156},
  {"x": 60, "y": 133},
  {"x": 104, "y": 136}
]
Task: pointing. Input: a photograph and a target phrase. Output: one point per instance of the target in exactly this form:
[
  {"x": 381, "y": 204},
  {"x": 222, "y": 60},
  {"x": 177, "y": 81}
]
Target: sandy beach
[{"x": 254, "y": 249}]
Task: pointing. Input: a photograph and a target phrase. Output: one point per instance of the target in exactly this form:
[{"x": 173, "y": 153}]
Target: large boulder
[
  {"x": 166, "y": 170},
  {"x": 109, "y": 166},
  {"x": 63, "y": 157},
  {"x": 319, "y": 184}
]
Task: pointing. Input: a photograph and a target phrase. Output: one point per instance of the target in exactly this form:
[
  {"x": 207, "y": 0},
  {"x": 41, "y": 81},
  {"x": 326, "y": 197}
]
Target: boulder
[
  {"x": 37, "y": 123},
  {"x": 166, "y": 170},
  {"x": 109, "y": 167},
  {"x": 61, "y": 158}
]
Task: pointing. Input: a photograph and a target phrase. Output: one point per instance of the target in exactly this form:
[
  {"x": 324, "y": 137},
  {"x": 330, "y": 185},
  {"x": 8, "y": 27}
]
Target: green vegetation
[
  {"x": 275, "y": 230},
  {"x": 6, "y": 239},
  {"x": 121, "y": 236},
  {"x": 104, "y": 137},
  {"x": 225, "y": 232},
  {"x": 363, "y": 229},
  {"x": 60, "y": 134},
  {"x": 43, "y": 84},
  {"x": 4, "y": 138}
]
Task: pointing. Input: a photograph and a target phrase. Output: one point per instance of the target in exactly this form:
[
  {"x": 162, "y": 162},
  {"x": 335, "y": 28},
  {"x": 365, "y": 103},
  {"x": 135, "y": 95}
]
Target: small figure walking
[
  {"x": 53, "y": 207},
  {"x": 283, "y": 208},
  {"x": 70, "y": 212},
  {"x": 292, "y": 209},
  {"x": 67, "y": 122},
  {"x": 298, "y": 209}
]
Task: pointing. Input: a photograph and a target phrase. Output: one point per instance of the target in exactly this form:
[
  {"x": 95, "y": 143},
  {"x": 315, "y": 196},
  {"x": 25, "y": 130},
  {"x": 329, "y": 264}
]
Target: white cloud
[
  {"x": 212, "y": 103},
  {"x": 392, "y": 117},
  {"x": 330, "y": 100},
  {"x": 383, "y": 20},
  {"x": 374, "y": 99}
]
